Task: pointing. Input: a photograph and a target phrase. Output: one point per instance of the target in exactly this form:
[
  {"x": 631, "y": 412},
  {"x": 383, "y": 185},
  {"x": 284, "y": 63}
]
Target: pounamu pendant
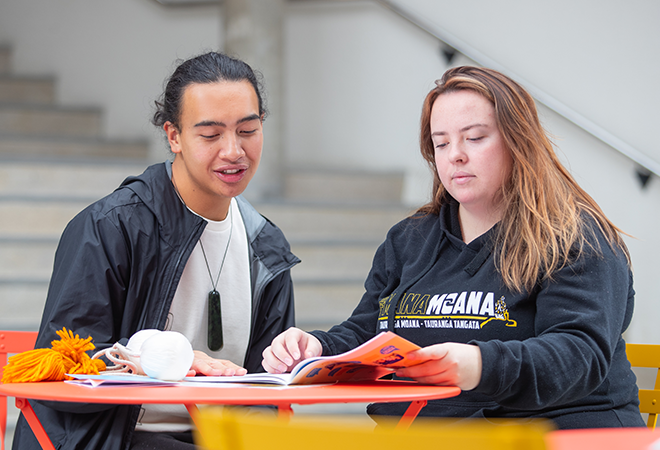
[{"x": 215, "y": 339}]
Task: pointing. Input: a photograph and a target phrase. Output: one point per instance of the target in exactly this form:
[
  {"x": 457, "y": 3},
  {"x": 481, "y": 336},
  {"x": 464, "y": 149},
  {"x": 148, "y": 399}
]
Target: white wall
[
  {"x": 112, "y": 54},
  {"x": 599, "y": 57},
  {"x": 357, "y": 77},
  {"x": 610, "y": 179}
]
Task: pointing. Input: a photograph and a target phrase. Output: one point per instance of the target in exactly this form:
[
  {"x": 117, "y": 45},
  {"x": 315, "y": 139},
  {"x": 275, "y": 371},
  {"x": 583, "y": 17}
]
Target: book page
[
  {"x": 123, "y": 379},
  {"x": 375, "y": 358}
]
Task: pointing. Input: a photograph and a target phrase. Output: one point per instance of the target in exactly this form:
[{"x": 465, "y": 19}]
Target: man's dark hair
[{"x": 207, "y": 68}]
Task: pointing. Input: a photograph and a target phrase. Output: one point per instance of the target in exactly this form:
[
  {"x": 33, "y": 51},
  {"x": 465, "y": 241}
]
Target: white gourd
[
  {"x": 167, "y": 356},
  {"x": 136, "y": 341},
  {"x": 135, "y": 347}
]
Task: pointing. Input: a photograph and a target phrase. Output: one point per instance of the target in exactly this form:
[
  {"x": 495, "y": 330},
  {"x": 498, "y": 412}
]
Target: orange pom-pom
[
  {"x": 41, "y": 364},
  {"x": 68, "y": 355}
]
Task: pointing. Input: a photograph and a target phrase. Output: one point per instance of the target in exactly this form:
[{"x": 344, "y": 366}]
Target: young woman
[{"x": 512, "y": 280}]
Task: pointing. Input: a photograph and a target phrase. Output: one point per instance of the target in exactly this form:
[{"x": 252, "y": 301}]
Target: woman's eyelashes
[{"x": 441, "y": 145}]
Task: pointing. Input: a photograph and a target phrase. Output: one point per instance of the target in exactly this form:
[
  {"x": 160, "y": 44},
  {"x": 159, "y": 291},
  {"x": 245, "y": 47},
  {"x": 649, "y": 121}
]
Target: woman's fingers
[
  {"x": 446, "y": 364},
  {"x": 287, "y": 349}
]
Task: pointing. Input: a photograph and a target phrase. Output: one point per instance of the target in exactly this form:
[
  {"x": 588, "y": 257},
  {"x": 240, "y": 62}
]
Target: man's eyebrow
[
  {"x": 249, "y": 118},
  {"x": 210, "y": 123},
  {"x": 214, "y": 123},
  {"x": 466, "y": 128}
]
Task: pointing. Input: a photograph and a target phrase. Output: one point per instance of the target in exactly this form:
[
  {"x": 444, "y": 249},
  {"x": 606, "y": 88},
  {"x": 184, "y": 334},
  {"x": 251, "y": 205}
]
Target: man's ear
[{"x": 173, "y": 136}]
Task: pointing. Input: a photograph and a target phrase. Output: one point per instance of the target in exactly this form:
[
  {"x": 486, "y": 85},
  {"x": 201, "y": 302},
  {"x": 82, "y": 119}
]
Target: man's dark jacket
[{"x": 116, "y": 270}]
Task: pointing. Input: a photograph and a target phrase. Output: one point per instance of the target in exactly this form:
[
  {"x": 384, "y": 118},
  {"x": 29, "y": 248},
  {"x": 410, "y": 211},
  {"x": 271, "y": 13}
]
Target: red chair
[{"x": 11, "y": 342}]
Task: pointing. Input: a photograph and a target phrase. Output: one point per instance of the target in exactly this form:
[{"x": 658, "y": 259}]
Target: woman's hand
[
  {"x": 203, "y": 364},
  {"x": 449, "y": 364},
  {"x": 289, "y": 348}
]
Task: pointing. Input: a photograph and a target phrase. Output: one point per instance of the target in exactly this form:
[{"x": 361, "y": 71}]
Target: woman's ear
[{"x": 173, "y": 136}]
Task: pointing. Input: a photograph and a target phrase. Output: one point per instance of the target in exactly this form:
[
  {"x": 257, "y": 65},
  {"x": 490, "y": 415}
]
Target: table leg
[
  {"x": 35, "y": 425},
  {"x": 410, "y": 414},
  {"x": 193, "y": 411},
  {"x": 284, "y": 412},
  {"x": 3, "y": 421}
]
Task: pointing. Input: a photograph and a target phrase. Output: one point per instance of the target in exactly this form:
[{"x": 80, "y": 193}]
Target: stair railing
[{"x": 647, "y": 164}]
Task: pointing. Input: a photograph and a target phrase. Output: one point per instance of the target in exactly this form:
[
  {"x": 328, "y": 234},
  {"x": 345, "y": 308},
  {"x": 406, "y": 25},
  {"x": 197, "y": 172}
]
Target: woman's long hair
[{"x": 543, "y": 207}]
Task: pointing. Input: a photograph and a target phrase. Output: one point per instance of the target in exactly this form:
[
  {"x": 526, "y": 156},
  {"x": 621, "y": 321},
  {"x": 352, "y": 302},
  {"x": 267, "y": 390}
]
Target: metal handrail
[{"x": 541, "y": 96}]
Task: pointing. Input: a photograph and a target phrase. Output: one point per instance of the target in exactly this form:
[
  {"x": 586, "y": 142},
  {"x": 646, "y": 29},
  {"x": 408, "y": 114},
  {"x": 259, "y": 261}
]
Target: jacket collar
[{"x": 154, "y": 187}]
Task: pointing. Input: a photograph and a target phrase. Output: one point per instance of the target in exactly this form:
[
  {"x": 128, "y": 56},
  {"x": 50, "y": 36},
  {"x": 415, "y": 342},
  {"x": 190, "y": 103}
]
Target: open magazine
[{"x": 377, "y": 357}]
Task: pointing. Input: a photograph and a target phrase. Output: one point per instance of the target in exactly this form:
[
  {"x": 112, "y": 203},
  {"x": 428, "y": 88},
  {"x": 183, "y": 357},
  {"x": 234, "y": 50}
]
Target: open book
[{"x": 377, "y": 357}]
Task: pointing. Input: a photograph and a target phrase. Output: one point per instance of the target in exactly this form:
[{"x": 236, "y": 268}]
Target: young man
[{"x": 175, "y": 248}]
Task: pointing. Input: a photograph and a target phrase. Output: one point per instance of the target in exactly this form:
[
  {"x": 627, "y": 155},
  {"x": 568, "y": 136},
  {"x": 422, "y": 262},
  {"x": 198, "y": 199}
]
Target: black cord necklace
[{"x": 215, "y": 339}]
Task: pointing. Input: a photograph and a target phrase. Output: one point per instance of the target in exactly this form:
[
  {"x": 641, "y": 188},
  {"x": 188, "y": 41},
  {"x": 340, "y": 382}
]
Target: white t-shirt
[{"x": 189, "y": 310}]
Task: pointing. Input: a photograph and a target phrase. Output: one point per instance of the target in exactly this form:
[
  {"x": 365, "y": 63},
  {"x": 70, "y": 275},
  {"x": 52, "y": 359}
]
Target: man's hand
[
  {"x": 203, "y": 364},
  {"x": 288, "y": 349}
]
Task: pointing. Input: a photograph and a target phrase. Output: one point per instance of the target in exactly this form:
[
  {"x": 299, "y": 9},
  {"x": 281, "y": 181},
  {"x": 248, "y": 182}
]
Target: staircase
[{"x": 54, "y": 162}]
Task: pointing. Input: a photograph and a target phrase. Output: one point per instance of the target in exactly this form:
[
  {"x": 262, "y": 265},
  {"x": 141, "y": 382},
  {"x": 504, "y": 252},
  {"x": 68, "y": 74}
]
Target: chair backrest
[
  {"x": 647, "y": 355},
  {"x": 222, "y": 428},
  {"x": 11, "y": 342}
]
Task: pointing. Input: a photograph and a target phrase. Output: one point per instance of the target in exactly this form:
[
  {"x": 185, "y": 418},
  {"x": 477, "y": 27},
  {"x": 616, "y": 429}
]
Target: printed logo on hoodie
[{"x": 467, "y": 310}]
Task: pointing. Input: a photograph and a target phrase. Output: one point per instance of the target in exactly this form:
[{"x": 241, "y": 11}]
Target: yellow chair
[
  {"x": 11, "y": 342},
  {"x": 647, "y": 355},
  {"x": 223, "y": 429}
]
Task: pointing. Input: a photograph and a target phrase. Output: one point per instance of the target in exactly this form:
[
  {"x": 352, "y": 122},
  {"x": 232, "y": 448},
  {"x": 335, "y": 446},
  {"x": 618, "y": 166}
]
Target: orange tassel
[{"x": 68, "y": 355}]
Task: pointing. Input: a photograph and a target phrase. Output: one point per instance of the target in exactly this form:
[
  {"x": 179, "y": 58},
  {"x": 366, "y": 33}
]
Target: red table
[{"x": 225, "y": 394}]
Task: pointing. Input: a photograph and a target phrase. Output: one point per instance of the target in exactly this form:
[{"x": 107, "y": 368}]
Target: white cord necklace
[{"x": 215, "y": 338}]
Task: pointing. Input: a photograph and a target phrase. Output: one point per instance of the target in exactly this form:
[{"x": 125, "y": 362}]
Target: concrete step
[
  {"x": 38, "y": 219},
  {"x": 31, "y": 258},
  {"x": 343, "y": 187},
  {"x": 81, "y": 180},
  {"x": 16, "y": 119},
  {"x": 320, "y": 305},
  {"x": 333, "y": 223},
  {"x": 328, "y": 283},
  {"x": 44, "y": 218},
  {"x": 26, "y": 260},
  {"x": 27, "y": 90},
  {"x": 21, "y": 304},
  {"x": 25, "y": 269},
  {"x": 339, "y": 262},
  {"x": 64, "y": 149},
  {"x": 5, "y": 60},
  {"x": 322, "y": 300}
]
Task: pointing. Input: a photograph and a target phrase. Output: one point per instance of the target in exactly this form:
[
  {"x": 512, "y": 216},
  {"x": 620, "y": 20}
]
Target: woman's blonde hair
[{"x": 544, "y": 208}]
